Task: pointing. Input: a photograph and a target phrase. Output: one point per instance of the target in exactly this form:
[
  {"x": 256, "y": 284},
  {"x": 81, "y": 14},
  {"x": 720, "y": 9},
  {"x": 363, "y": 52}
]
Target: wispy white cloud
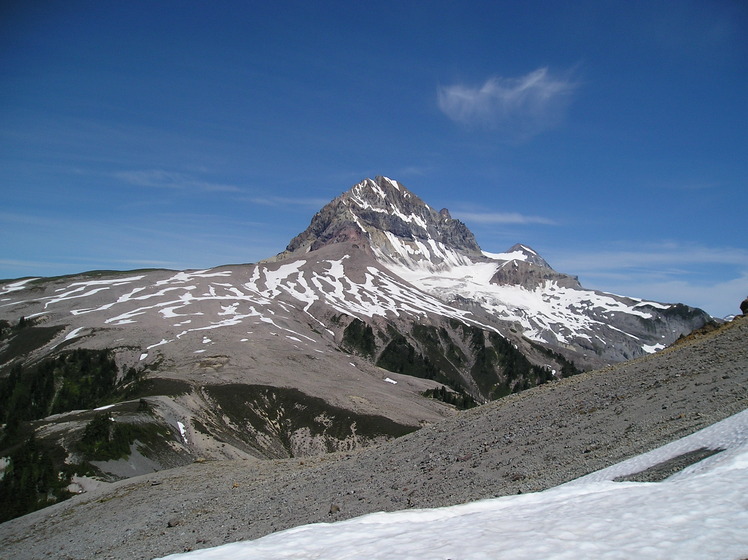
[
  {"x": 501, "y": 218},
  {"x": 159, "y": 178},
  {"x": 521, "y": 107}
]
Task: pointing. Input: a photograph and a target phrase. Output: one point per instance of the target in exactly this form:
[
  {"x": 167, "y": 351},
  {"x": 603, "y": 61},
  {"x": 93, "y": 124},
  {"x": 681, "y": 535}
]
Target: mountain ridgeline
[{"x": 382, "y": 316}]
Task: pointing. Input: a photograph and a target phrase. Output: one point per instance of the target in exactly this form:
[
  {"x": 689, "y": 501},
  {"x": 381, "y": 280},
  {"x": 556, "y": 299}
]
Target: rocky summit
[
  {"x": 384, "y": 315},
  {"x": 394, "y": 224}
]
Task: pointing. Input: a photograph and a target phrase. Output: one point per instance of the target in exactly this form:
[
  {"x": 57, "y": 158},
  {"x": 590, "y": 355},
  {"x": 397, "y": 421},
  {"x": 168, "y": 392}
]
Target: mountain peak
[
  {"x": 384, "y": 195},
  {"x": 380, "y": 187},
  {"x": 382, "y": 216}
]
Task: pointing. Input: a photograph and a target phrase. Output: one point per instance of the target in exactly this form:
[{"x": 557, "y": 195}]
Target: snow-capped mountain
[
  {"x": 518, "y": 288},
  {"x": 332, "y": 344}
]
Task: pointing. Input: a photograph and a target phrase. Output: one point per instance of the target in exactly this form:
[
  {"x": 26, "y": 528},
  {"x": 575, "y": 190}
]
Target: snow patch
[
  {"x": 15, "y": 286},
  {"x": 653, "y": 348},
  {"x": 513, "y": 256},
  {"x": 72, "y": 334},
  {"x": 105, "y": 407},
  {"x": 182, "y": 431}
]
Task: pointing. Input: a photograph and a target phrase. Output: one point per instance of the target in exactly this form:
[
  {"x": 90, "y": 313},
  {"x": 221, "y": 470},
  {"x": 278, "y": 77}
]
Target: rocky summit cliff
[
  {"x": 382, "y": 316},
  {"x": 398, "y": 227}
]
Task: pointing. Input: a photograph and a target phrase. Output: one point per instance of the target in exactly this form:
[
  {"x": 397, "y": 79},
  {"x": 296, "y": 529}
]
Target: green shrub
[
  {"x": 457, "y": 398},
  {"x": 400, "y": 356},
  {"x": 88, "y": 376},
  {"x": 79, "y": 379},
  {"x": 106, "y": 440},
  {"x": 358, "y": 337},
  {"x": 30, "y": 481}
]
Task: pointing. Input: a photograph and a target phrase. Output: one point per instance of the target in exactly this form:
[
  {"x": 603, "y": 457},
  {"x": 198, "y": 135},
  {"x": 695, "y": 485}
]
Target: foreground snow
[{"x": 699, "y": 513}]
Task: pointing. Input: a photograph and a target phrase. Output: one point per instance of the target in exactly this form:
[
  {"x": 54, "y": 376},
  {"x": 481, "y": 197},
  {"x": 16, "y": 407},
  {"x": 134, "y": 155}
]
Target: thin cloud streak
[
  {"x": 658, "y": 256},
  {"x": 15, "y": 263},
  {"x": 315, "y": 203},
  {"x": 79, "y": 264},
  {"x": 692, "y": 187},
  {"x": 146, "y": 262},
  {"x": 501, "y": 218},
  {"x": 158, "y": 178},
  {"x": 415, "y": 171},
  {"x": 522, "y": 107}
]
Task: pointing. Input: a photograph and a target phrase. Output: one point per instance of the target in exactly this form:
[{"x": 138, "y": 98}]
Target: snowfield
[
  {"x": 549, "y": 313},
  {"x": 699, "y": 513}
]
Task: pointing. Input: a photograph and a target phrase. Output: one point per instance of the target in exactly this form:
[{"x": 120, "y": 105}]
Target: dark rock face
[
  {"x": 378, "y": 206},
  {"x": 531, "y": 276},
  {"x": 332, "y": 224},
  {"x": 744, "y": 306}
]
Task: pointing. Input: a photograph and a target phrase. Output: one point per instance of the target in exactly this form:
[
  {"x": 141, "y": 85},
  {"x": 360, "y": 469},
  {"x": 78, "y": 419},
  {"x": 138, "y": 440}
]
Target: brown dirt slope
[{"x": 526, "y": 442}]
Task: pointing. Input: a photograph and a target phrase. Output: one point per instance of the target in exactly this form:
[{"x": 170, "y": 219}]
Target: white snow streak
[
  {"x": 182, "y": 431},
  {"x": 15, "y": 286},
  {"x": 73, "y": 333}
]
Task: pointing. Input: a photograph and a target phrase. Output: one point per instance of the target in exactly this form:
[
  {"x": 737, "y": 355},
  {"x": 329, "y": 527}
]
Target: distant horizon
[{"x": 610, "y": 138}]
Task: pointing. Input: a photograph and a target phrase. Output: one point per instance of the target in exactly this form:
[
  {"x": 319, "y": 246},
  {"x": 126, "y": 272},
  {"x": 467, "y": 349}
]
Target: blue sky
[{"x": 612, "y": 137}]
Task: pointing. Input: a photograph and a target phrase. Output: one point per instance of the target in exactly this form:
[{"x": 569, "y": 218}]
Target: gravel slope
[{"x": 526, "y": 442}]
